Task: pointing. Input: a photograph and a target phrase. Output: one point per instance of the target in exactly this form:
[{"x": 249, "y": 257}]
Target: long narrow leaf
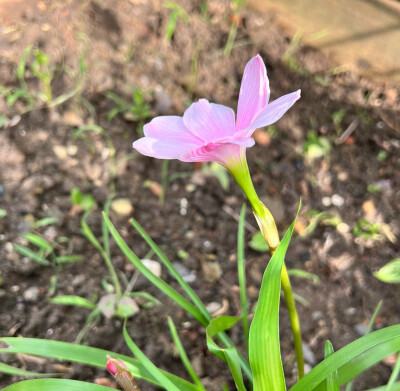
[
  {"x": 55, "y": 385},
  {"x": 184, "y": 285},
  {"x": 151, "y": 368},
  {"x": 264, "y": 349},
  {"x": 192, "y": 295},
  {"x": 26, "y": 252},
  {"x": 229, "y": 355},
  {"x": 332, "y": 382},
  {"x": 361, "y": 363},
  {"x": 388, "y": 337},
  {"x": 394, "y": 375},
  {"x": 242, "y": 276},
  {"x": 10, "y": 370},
  {"x": 182, "y": 353},
  {"x": 38, "y": 241},
  {"x": 76, "y": 301},
  {"x": 158, "y": 282},
  {"x": 85, "y": 355},
  {"x": 349, "y": 386}
]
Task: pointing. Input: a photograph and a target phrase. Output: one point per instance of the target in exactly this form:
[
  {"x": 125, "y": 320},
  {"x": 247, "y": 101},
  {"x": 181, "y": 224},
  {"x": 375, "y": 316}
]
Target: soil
[{"x": 123, "y": 44}]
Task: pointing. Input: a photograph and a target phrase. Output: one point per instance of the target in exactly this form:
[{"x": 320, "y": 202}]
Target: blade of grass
[
  {"x": 230, "y": 354},
  {"x": 184, "y": 285},
  {"x": 332, "y": 382},
  {"x": 242, "y": 277},
  {"x": 158, "y": 282},
  {"x": 184, "y": 358},
  {"x": 264, "y": 348},
  {"x": 85, "y": 355},
  {"x": 36, "y": 240},
  {"x": 92, "y": 239},
  {"x": 191, "y": 294},
  {"x": 24, "y": 251},
  {"x": 10, "y": 370},
  {"x": 75, "y": 301},
  {"x": 371, "y": 322},
  {"x": 55, "y": 385},
  {"x": 368, "y": 346},
  {"x": 391, "y": 383},
  {"x": 155, "y": 372}
]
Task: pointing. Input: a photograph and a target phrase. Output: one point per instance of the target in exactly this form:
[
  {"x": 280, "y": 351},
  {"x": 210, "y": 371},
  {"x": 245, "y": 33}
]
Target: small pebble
[
  {"x": 361, "y": 328},
  {"x": 337, "y": 200},
  {"x": 122, "y": 206},
  {"x": 350, "y": 311},
  {"x": 153, "y": 266},
  {"x": 343, "y": 228},
  {"x": 31, "y": 294},
  {"x": 184, "y": 272},
  {"x": 309, "y": 356},
  {"x": 183, "y": 204},
  {"x": 326, "y": 201},
  {"x": 213, "y": 307}
]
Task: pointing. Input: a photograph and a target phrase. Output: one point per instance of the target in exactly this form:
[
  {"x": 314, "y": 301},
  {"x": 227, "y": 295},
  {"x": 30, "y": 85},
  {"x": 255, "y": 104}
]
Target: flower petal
[
  {"x": 170, "y": 128},
  {"x": 161, "y": 149},
  {"x": 224, "y": 154},
  {"x": 254, "y": 92},
  {"x": 272, "y": 112},
  {"x": 209, "y": 121}
]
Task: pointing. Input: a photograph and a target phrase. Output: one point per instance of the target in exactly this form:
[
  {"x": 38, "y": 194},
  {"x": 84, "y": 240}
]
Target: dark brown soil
[{"x": 124, "y": 45}]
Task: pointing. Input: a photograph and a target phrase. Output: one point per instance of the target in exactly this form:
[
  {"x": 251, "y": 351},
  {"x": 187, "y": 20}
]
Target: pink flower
[
  {"x": 208, "y": 132},
  {"x": 113, "y": 364}
]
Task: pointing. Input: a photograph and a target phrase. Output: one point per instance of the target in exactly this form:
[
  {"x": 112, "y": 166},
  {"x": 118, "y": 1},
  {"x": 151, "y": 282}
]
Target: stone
[
  {"x": 213, "y": 307},
  {"x": 122, "y": 206},
  {"x": 184, "y": 272},
  {"x": 309, "y": 356},
  {"x": 31, "y": 294},
  {"x": 153, "y": 266}
]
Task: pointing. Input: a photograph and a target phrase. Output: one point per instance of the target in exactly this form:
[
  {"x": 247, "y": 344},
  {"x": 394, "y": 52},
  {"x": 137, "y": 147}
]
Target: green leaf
[
  {"x": 391, "y": 383},
  {"x": 155, "y": 372},
  {"x": 45, "y": 221},
  {"x": 230, "y": 354},
  {"x": 55, "y": 385},
  {"x": 38, "y": 241},
  {"x": 189, "y": 291},
  {"x": 22, "y": 64},
  {"x": 303, "y": 274},
  {"x": 184, "y": 285},
  {"x": 10, "y": 370},
  {"x": 182, "y": 353},
  {"x": 332, "y": 382},
  {"x": 258, "y": 243},
  {"x": 389, "y": 273},
  {"x": 76, "y": 301},
  {"x": 264, "y": 349},
  {"x": 242, "y": 277},
  {"x": 158, "y": 282},
  {"x": 85, "y": 201},
  {"x": 68, "y": 259},
  {"x": 352, "y": 359},
  {"x": 3, "y": 213},
  {"x": 85, "y": 355},
  {"x": 395, "y": 387},
  {"x": 24, "y": 251}
]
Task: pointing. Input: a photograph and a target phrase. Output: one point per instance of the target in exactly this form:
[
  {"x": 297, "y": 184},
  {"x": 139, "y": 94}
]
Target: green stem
[
  {"x": 294, "y": 320},
  {"x": 266, "y": 222}
]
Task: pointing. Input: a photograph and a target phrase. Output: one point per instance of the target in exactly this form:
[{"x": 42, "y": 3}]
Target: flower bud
[{"x": 121, "y": 373}]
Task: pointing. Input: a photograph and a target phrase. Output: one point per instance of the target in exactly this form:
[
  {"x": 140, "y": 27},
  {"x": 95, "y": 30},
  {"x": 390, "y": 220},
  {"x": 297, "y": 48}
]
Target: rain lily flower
[{"x": 208, "y": 132}]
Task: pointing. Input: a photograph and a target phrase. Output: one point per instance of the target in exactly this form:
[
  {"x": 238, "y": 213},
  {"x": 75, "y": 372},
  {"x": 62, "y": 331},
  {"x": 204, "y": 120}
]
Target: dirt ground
[{"x": 123, "y": 44}]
